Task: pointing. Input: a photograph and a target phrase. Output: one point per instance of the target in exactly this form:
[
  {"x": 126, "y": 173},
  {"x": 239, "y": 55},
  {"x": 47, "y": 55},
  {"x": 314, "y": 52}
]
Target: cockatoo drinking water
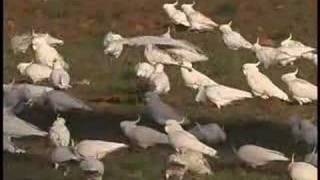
[
  {"x": 181, "y": 139},
  {"x": 143, "y": 136}
]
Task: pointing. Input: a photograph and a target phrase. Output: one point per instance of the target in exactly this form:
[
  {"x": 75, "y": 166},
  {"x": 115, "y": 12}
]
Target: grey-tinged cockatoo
[
  {"x": 160, "y": 80},
  {"x": 175, "y": 15},
  {"x": 221, "y": 95},
  {"x": 294, "y": 122},
  {"x": 60, "y": 101},
  {"x": 16, "y": 128},
  {"x": 232, "y": 39},
  {"x": 16, "y": 97},
  {"x": 96, "y": 148},
  {"x": 258, "y": 156},
  {"x": 309, "y": 132},
  {"x": 141, "y": 135},
  {"x": 59, "y": 77},
  {"x": 59, "y": 134},
  {"x": 34, "y": 91},
  {"x": 181, "y": 140},
  {"x": 193, "y": 78},
  {"x": 197, "y": 20},
  {"x": 260, "y": 84},
  {"x": 144, "y": 70},
  {"x": 36, "y": 72},
  {"x": 312, "y": 157},
  {"x": 61, "y": 156},
  {"x": 114, "y": 43},
  {"x": 300, "y": 89},
  {"x": 210, "y": 133},
  {"x": 302, "y": 171},
  {"x": 304, "y": 130},
  {"x": 10, "y": 147},
  {"x": 93, "y": 168},
  {"x": 193, "y": 161},
  {"x": 160, "y": 111}
]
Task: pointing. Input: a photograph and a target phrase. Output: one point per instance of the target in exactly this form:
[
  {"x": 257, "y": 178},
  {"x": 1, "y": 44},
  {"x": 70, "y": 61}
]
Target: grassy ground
[{"x": 82, "y": 25}]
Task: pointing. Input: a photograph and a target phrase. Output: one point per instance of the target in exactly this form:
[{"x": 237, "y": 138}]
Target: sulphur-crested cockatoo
[
  {"x": 181, "y": 140},
  {"x": 300, "y": 89},
  {"x": 260, "y": 84},
  {"x": 232, "y": 39},
  {"x": 197, "y": 20}
]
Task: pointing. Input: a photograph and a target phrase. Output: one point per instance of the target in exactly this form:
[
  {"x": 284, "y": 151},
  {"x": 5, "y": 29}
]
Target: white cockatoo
[
  {"x": 59, "y": 76},
  {"x": 193, "y": 78},
  {"x": 258, "y": 156},
  {"x": 260, "y": 84},
  {"x": 36, "y": 72},
  {"x": 221, "y": 95},
  {"x": 96, "y": 148},
  {"x": 197, "y": 20},
  {"x": 181, "y": 139},
  {"x": 144, "y": 70},
  {"x": 232, "y": 39},
  {"x": 155, "y": 55},
  {"x": 269, "y": 55},
  {"x": 296, "y": 48},
  {"x": 300, "y": 89},
  {"x": 143, "y": 136},
  {"x": 44, "y": 52},
  {"x": 175, "y": 15},
  {"x": 160, "y": 80},
  {"x": 210, "y": 133},
  {"x": 59, "y": 134},
  {"x": 302, "y": 170}
]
